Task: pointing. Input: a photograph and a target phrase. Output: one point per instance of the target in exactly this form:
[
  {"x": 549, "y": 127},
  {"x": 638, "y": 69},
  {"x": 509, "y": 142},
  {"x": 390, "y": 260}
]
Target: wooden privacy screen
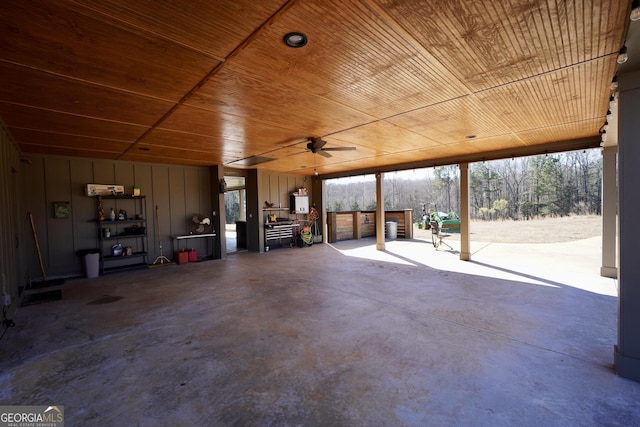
[{"x": 358, "y": 224}]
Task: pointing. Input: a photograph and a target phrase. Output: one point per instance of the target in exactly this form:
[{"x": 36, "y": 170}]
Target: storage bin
[{"x": 91, "y": 259}]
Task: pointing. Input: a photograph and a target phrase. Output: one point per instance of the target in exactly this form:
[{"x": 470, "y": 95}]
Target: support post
[
  {"x": 609, "y": 213},
  {"x": 380, "y": 211},
  {"x": 627, "y": 351},
  {"x": 319, "y": 195},
  {"x": 465, "y": 244},
  {"x": 218, "y": 219}
]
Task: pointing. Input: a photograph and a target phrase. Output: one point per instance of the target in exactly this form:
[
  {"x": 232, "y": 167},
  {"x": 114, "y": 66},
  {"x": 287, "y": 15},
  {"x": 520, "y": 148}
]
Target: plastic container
[
  {"x": 91, "y": 260},
  {"x": 116, "y": 250},
  {"x": 182, "y": 257}
]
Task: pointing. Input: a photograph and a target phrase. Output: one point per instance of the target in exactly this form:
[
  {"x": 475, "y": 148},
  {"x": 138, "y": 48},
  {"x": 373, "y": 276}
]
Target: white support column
[
  {"x": 627, "y": 351},
  {"x": 380, "y": 211},
  {"x": 609, "y": 212},
  {"x": 465, "y": 244}
]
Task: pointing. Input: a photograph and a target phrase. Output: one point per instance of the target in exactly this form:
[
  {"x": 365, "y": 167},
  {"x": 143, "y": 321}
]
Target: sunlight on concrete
[
  {"x": 575, "y": 264},
  {"x": 369, "y": 252}
]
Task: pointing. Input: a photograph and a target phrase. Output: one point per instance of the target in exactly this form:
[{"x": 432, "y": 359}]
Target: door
[{"x": 235, "y": 206}]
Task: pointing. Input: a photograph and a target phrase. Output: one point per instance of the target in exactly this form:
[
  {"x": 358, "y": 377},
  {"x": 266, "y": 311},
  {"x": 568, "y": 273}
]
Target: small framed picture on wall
[{"x": 61, "y": 210}]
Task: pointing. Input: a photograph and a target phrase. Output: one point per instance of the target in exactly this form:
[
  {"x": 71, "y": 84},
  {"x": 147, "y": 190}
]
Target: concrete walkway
[{"x": 332, "y": 335}]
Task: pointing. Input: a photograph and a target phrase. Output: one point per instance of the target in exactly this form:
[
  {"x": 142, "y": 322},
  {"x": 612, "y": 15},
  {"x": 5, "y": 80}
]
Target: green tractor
[{"x": 449, "y": 221}]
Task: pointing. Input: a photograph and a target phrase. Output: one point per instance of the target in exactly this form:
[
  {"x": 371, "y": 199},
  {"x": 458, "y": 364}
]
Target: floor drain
[{"x": 106, "y": 299}]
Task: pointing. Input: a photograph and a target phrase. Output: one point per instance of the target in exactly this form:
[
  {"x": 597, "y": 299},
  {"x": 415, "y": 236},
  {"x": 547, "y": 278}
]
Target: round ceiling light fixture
[
  {"x": 295, "y": 39},
  {"x": 623, "y": 56}
]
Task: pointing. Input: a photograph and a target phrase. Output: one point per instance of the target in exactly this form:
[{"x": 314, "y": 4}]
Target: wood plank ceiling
[{"x": 204, "y": 82}]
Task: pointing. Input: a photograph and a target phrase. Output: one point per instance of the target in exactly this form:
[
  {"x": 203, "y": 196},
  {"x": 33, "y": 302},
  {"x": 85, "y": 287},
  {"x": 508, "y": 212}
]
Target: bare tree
[{"x": 521, "y": 188}]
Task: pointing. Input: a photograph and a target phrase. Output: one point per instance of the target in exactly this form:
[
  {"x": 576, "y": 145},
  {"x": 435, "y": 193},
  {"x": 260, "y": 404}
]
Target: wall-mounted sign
[{"x": 105, "y": 190}]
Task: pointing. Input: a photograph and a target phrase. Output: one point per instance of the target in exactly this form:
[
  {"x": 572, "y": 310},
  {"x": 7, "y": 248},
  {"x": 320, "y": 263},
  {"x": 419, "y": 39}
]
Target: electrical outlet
[{"x": 6, "y": 300}]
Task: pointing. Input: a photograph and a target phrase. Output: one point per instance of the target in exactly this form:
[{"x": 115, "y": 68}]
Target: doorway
[{"x": 235, "y": 205}]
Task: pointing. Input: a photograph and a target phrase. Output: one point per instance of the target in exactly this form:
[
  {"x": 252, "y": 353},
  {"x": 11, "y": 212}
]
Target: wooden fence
[{"x": 358, "y": 224}]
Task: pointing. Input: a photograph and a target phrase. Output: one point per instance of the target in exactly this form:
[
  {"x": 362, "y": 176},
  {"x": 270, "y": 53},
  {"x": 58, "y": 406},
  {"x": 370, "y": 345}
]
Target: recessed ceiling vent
[{"x": 251, "y": 161}]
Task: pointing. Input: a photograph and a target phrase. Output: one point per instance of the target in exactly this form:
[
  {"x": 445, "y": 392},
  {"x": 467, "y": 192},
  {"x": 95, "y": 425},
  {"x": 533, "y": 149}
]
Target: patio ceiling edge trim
[{"x": 530, "y": 150}]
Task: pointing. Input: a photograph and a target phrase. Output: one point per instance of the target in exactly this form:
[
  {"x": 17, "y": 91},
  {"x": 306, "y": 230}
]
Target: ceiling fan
[{"x": 317, "y": 145}]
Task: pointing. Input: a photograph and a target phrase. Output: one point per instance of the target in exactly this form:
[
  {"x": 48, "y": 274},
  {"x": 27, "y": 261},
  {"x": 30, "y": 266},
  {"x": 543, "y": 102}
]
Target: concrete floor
[{"x": 332, "y": 335}]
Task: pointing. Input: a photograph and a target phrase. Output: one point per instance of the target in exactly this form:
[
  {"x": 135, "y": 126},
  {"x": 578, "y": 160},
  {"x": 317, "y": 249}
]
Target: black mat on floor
[
  {"x": 46, "y": 283},
  {"x": 42, "y": 297}
]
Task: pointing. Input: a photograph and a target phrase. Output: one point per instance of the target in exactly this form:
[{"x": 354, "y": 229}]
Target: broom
[
  {"x": 45, "y": 293},
  {"x": 44, "y": 282}
]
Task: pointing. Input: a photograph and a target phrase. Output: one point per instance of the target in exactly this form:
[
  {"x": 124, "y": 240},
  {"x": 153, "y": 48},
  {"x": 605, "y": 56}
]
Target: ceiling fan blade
[
  {"x": 324, "y": 153},
  {"x": 339, "y": 149}
]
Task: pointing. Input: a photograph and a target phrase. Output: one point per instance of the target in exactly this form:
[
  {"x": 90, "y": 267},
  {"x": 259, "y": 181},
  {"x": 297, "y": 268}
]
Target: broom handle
[{"x": 35, "y": 237}]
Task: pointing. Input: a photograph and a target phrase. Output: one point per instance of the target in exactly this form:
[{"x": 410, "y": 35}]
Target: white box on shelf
[{"x": 299, "y": 204}]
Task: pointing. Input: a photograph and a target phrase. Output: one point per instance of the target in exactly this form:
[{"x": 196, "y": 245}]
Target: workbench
[{"x": 184, "y": 238}]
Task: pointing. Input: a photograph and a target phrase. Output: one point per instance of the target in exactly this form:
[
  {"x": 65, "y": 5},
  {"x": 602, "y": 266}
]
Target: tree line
[{"x": 519, "y": 188}]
